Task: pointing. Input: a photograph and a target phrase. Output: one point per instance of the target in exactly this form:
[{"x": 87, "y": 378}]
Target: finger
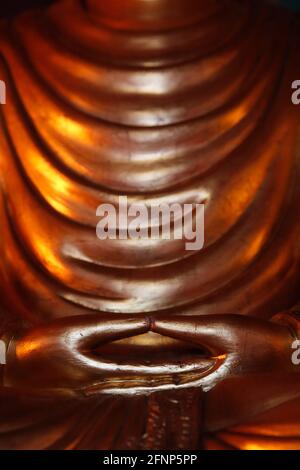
[
  {"x": 91, "y": 330},
  {"x": 217, "y": 333}
]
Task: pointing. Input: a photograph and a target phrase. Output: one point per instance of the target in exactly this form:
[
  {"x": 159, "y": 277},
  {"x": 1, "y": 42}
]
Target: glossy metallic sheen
[{"x": 162, "y": 101}]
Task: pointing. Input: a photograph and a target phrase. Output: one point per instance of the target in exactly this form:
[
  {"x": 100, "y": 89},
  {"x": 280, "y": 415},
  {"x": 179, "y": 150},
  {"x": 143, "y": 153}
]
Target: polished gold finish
[{"x": 162, "y": 101}]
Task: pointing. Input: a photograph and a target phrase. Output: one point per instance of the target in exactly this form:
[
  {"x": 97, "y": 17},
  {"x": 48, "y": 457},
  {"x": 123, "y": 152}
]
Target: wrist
[{"x": 291, "y": 320}]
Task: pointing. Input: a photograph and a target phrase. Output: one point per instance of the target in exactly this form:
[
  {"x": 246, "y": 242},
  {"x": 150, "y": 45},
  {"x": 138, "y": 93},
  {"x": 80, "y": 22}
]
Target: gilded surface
[{"x": 181, "y": 103}]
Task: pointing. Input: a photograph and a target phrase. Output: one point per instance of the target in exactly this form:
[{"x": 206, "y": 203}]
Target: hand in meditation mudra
[{"x": 127, "y": 344}]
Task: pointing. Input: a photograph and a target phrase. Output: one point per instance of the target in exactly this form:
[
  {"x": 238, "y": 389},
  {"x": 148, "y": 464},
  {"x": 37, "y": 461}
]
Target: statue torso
[{"x": 168, "y": 116}]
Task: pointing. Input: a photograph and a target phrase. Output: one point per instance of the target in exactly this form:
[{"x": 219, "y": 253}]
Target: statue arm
[{"x": 257, "y": 372}]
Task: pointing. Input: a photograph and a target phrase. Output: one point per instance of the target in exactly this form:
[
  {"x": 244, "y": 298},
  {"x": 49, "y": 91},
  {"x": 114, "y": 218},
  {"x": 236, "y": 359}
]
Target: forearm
[{"x": 257, "y": 391}]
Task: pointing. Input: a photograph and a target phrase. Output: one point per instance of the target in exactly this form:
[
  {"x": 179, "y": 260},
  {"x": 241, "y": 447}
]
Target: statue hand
[
  {"x": 60, "y": 354},
  {"x": 256, "y": 372}
]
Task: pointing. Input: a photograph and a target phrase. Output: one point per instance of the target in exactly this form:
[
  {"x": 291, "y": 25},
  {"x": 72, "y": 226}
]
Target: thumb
[
  {"x": 216, "y": 334},
  {"x": 88, "y": 331}
]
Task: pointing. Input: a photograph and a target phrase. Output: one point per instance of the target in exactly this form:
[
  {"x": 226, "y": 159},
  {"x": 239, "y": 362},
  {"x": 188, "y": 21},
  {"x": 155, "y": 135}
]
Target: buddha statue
[{"x": 136, "y": 344}]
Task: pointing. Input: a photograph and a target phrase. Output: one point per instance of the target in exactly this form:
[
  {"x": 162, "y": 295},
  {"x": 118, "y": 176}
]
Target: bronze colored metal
[{"x": 126, "y": 344}]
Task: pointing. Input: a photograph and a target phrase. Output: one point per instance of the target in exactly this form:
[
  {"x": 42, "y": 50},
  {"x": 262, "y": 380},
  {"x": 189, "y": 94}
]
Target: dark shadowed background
[{"x": 11, "y": 7}]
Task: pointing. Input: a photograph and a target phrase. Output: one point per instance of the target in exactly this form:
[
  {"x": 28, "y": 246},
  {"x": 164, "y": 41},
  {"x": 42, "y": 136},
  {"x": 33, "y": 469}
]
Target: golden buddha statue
[{"x": 127, "y": 344}]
